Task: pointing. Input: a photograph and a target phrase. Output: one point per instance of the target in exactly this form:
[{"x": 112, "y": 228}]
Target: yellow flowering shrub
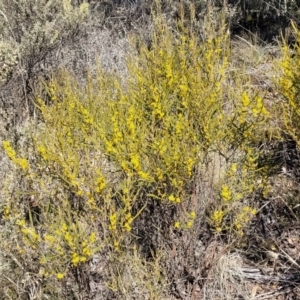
[
  {"x": 242, "y": 177},
  {"x": 288, "y": 86},
  {"x": 67, "y": 243},
  {"x": 102, "y": 152},
  {"x": 164, "y": 124},
  {"x": 245, "y": 121}
]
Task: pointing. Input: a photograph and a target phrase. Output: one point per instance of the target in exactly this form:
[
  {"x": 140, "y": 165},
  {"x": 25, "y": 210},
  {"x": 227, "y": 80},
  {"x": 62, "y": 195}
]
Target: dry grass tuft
[{"x": 225, "y": 280}]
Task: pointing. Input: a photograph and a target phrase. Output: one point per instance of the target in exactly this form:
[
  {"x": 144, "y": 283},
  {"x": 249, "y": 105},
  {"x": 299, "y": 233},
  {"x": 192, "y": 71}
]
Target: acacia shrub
[
  {"x": 288, "y": 86},
  {"x": 107, "y": 150}
]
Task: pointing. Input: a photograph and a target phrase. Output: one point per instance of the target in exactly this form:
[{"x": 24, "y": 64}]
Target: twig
[{"x": 272, "y": 294}]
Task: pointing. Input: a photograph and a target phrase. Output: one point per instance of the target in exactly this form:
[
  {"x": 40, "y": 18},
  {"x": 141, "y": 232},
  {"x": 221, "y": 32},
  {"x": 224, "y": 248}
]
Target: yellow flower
[
  {"x": 49, "y": 238},
  {"x": 189, "y": 224},
  {"x": 183, "y": 88},
  {"x": 86, "y": 251},
  {"x": 82, "y": 258},
  {"x": 192, "y": 214},
  {"x": 9, "y": 150},
  {"x": 21, "y": 222},
  {"x": 60, "y": 275},
  {"x": 218, "y": 216},
  {"x": 11, "y": 153},
  {"x": 245, "y": 99},
  {"x": 135, "y": 161},
  {"x": 144, "y": 175},
  {"x": 116, "y": 246},
  {"x": 171, "y": 198},
  {"x": 100, "y": 184},
  {"x": 127, "y": 227},
  {"x": 238, "y": 226},
  {"x": 177, "y": 225},
  {"x": 75, "y": 259},
  {"x": 23, "y": 163},
  {"x": 226, "y": 193},
  {"x": 25, "y": 230},
  {"x": 64, "y": 227},
  {"x": 233, "y": 168},
  {"x": 68, "y": 237},
  {"x": 218, "y": 229},
  {"x": 177, "y": 200},
  {"x": 93, "y": 237}
]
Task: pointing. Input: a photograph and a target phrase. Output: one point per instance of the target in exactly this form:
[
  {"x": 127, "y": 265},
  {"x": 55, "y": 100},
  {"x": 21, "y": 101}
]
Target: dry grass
[{"x": 225, "y": 279}]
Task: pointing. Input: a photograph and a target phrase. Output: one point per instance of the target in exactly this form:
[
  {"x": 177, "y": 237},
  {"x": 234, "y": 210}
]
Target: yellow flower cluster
[
  {"x": 226, "y": 193},
  {"x": 191, "y": 219},
  {"x": 243, "y": 218},
  {"x": 113, "y": 222},
  {"x": 29, "y": 234},
  {"x": 217, "y": 219},
  {"x": 174, "y": 199},
  {"x": 11, "y": 153},
  {"x": 189, "y": 222},
  {"x": 100, "y": 183},
  {"x": 128, "y": 222},
  {"x": 70, "y": 243}
]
